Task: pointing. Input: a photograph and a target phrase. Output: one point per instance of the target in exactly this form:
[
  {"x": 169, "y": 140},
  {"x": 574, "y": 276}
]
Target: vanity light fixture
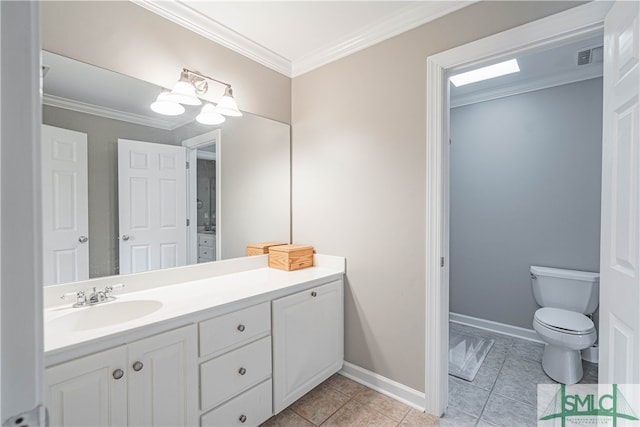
[
  {"x": 209, "y": 115},
  {"x": 162, "y": 105},
  {"x": 186, "y": 91},
  {"x": 485, "y": 73}
]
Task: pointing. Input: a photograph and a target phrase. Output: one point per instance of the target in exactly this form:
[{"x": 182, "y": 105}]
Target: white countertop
[{"x": 181, "y": 304}]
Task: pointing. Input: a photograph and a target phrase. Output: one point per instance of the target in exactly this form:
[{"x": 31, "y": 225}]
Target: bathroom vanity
[{"x": 232, "y": 344}]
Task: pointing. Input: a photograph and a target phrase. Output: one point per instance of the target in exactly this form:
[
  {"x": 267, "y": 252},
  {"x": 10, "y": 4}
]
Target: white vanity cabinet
[
  {"x": 308, "y": 341},
  {"x": 150, "y": 382},
  {"x": 206, "y": 247},
  {"x": 235, "y": 368}
]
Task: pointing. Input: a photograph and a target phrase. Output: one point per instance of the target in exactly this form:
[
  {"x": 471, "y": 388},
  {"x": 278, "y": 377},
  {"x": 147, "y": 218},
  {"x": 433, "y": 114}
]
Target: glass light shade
[
  {"x": 227, "y": 105},
  {"x": 209, "y": 116},
  {"x": 184, "y": 93},
  {"x": 164, "y": 106}
]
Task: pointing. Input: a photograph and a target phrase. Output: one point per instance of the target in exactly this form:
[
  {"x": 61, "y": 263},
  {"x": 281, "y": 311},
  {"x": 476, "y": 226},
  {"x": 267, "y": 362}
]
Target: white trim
[
  {"x": 497, "y": 327},
  {"x": 96, "y": 110},
  {"x": 192, "y": 20},
  {"x": 205, "y": 155},
  {"x": 191, "y": 145},
  {"x": 384, "y": 385},
  {"x": 574, "y": 23},
  {"x": 525, "y": 87},
  {"x": 407, "y": 19}
]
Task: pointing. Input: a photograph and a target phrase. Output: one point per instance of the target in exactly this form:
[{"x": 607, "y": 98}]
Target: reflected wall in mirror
[{"x": 240, "y": 178}]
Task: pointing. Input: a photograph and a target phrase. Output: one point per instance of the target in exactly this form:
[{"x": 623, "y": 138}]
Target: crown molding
[
  {"x": 81, "y": 107},
  {"x": 181, "y": 14},
  {"x": 527, "y": 86},
  {"x": 201, "y": 24},
  {"x": 394, "y": 25}
]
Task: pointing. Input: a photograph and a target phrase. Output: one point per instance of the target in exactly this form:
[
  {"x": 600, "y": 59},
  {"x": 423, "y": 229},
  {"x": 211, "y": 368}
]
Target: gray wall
[
  {"x": 525, "y": 190},
  {"x": 102, "y": 160}
]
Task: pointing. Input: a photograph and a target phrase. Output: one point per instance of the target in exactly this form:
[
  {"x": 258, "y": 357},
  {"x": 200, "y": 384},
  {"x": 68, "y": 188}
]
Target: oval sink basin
[{"x": 106, "y": 314}]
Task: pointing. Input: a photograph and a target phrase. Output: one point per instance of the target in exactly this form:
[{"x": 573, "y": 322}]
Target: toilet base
[{"x": 561, "y": 364}]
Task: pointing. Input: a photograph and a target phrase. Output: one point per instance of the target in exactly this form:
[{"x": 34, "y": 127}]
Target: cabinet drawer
[
  {"x": 205, "y": 252},
  {"x": 224, "y": 333},
  {"x": 253, "y": 406},
  {"x": 234, "y": 372},
  {"x": 206, "y": 240}
]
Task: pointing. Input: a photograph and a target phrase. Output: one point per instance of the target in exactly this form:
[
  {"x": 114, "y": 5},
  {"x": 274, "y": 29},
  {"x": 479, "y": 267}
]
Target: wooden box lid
[
  {"x": 290, "y": 248},
  {"x": 263, "y": 245}
]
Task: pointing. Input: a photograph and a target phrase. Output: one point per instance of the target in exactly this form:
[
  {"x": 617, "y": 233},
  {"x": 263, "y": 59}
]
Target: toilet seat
[{"x": 564, "y": 321}]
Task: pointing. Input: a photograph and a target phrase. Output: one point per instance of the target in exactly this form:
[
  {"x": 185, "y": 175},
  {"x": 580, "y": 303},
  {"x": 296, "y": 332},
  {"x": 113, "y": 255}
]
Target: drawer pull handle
[
  {"x": 314, "y": 294},
  {"x": 242, "y": 371},
  {"x": 241, "y": 327},
  {"x": 137, "y": 366},
  {"x": 118, "y": 373},
  {"x": 242, "y": 418}
]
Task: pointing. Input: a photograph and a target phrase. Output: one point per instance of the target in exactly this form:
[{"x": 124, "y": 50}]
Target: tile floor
[{"x": 502, "y": 394}]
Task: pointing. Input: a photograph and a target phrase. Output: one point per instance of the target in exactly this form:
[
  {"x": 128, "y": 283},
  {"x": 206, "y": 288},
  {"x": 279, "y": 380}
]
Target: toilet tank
[{"x": 568, "y": 289}]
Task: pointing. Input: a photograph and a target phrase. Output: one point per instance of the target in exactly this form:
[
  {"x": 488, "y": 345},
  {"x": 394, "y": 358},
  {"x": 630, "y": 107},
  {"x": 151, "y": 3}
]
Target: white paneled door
[
  {"x": 152, "y": 206},
  {"x": 620, "y": 245},
  {"x": 65, "y": 206}
]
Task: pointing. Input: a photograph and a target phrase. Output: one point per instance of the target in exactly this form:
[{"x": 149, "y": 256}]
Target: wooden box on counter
[
  {"x": 261, "y": 248},
  {"x": 290, "y": 257}
]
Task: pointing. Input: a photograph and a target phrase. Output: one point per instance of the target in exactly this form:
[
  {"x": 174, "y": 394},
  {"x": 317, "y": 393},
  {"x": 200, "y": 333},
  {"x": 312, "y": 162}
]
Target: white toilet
[{"x": 565, "y": 296}]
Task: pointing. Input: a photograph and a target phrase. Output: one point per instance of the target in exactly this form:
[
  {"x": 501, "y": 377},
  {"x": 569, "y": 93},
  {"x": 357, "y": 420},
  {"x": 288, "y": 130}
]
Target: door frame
[
  {"x": 192, "y": 145},
  {"x": 545, "y": 33}
]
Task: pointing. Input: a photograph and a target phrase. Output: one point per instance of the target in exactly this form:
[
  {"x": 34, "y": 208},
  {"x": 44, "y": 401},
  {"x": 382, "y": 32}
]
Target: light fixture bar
[
  {"x": 485, "y": 73},
  {"x": 202, "y": 76}
]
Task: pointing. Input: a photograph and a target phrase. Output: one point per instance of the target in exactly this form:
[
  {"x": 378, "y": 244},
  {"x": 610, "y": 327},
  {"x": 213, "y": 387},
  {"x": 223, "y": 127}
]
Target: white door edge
[
  {"x": 192, "y": 145},
  {"x": 574, "y": 23}
]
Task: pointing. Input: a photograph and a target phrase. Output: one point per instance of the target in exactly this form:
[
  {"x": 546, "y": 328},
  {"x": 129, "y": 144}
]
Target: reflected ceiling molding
[
  {"x": 95, "y": 110},
  {"x": 181, "y": 14},
  {"x": 409, "y": 18}
]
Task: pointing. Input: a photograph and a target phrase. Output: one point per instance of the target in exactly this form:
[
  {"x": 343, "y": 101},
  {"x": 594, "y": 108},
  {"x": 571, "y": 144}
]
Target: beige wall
[
  {"x": 124, "y": 37},
  {"x": 359, "y": 172}
]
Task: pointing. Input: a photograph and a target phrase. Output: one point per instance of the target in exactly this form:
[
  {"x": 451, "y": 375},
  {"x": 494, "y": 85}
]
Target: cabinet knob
[
  {"x": 137, "y": 366},
  {"x": 118, "y": 373},
  {"x": 314, "y": 294},
  {"x": 241, "y": 327},
  {"x": 242, "y": 371},
  {"x": 242, "y": 418}
]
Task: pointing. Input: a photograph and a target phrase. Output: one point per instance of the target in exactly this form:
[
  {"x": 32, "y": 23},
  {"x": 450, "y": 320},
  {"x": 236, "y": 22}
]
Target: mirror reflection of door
[
  {"x": 152, "y": 206},
  {"x": 65, "y": 206},
  {"x": 206, "y": 203}
]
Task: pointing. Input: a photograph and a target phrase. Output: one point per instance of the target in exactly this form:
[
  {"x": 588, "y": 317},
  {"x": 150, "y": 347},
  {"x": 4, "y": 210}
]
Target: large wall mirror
[{"x": 112, "y": 170}]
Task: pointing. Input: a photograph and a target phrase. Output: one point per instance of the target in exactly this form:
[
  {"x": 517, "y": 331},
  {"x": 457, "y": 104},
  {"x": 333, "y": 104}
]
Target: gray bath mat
[{"x": 466, "y": 354}]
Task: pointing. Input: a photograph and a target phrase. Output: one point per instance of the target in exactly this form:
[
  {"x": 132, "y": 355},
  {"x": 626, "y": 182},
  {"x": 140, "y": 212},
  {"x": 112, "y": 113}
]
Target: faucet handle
[
  {"x": 81, "y": 300},
  {"x": 109, "y": 288}
]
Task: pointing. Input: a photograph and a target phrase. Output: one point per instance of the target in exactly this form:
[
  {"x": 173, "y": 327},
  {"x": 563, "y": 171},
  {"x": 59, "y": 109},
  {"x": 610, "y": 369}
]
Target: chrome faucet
[{"x": 95, "y": 297}]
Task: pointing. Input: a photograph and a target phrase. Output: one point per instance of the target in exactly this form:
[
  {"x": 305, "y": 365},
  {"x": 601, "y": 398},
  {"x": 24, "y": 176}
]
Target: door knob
[
  {"x": 125, "y": 237},
  {"x": 83, "y": 239}
]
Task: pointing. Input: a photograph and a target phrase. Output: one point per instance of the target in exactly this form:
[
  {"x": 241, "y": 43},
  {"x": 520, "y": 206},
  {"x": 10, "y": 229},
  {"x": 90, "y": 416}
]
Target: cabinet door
[
  {"x": 308, "y": 341},
  {"x": 86, "y": 392},
  {"x": 163, "y": 385}
]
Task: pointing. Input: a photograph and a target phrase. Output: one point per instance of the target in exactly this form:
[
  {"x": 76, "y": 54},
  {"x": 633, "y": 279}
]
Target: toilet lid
[{"x": 570, "y": 321}]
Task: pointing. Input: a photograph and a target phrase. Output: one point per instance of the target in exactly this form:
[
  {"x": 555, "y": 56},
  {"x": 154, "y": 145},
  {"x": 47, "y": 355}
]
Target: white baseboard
[
  {"x": 500, "y": 328},
  {"x": 384, "y": 385}
]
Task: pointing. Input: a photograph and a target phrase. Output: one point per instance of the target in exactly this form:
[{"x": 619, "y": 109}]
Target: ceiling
[{"x": 294, "y": 37}]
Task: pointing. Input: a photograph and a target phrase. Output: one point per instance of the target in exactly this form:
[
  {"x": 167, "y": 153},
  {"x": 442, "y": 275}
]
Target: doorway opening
[{"x": 562, "y": 28}]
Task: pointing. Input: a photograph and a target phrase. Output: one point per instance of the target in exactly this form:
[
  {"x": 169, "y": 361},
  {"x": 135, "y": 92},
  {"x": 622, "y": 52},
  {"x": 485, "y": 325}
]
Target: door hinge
[
  {"x": 188, "y": 222},
  {"x": 449, "y": 141},
  {"x": 441, "y": 261},
  {"x": 187, "y": 165}
]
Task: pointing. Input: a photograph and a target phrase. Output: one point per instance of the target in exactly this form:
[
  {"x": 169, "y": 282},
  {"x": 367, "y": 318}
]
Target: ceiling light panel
[{"x": 485, "y": 73}]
